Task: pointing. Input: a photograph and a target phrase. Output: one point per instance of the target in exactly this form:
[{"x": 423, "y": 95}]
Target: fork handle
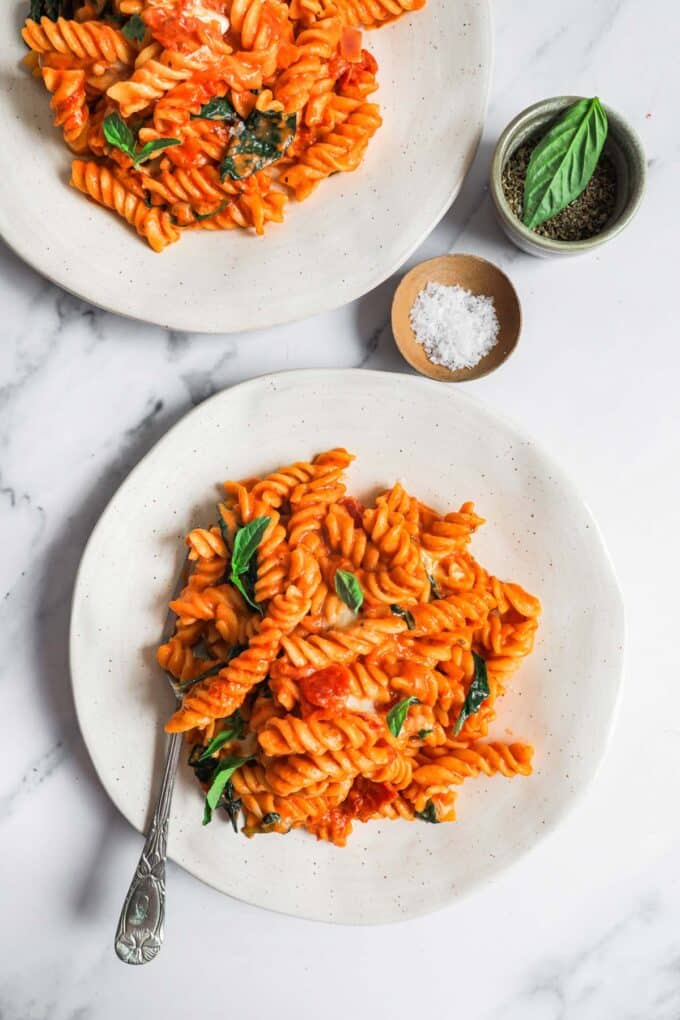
[{"x": 140, "y": 929}]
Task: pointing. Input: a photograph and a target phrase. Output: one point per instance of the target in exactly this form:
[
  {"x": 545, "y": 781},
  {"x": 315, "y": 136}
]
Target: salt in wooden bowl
[{"x": 480, "y": 278}]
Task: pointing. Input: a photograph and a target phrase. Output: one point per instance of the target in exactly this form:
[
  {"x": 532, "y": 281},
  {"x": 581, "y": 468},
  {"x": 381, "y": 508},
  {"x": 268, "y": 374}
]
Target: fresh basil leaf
[
  {"x": 151, "y": 148},
  {"x": 118, "y": 134},
  {"x": 477, "y": 694},
  {"x": 232, "y": 731},
  {"x": 347, "y": 588},
  {"x": 263, "y": 140},
  {"x": 435, "y": 592},
  {"x": 397, "y": 715},
  {"x": 563, "y": 162},
  {"x": 206, "y": 216},
  {"x": 246, "y": 541},
  {"x": 423, "y": 733},
  {"x": 429, "y": 814},
  {"x": 244, "y": 560},
  {"x": 247, "y": 591},
  {"x": 134, "y": 29},
  {"x": 405, "y": 615},
  {"x": 221, "y": 776},
  {"x": 272, "y": 818},
  {"x": 216, "y": 109}
]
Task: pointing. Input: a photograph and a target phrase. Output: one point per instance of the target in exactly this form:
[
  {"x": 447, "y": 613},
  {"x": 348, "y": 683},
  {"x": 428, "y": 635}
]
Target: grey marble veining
[{"x": 586, "y": 928}]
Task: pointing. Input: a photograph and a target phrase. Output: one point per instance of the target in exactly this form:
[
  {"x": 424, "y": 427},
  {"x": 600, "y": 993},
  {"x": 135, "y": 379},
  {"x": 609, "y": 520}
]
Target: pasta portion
[
  {"x": 341, "y": 662},
  {"x": 208, "y": 114}
]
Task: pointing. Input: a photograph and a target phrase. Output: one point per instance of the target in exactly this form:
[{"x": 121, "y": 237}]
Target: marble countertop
[{"x": 586, "y": 927}]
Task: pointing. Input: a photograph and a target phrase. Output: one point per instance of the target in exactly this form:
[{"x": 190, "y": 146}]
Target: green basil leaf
[
  {"x": 151, "y": 148},
  {"x": 423, "y": 733},
  {"x": 405, "y": 615},
  {"x": 263, "y": 140},
  {"x": 246, "y": 541},
  {"x": 232, "y": 731},
  {"x": 134, "y": 29},
  {"x": 397, "y": 715},
  {"x": 221, "y": 776},
  {"x": 429, "y": 814},
  {"x": 118, "y": 134},
  {"x": 349, "y": 590},
  {"x": 563, "y": 162},
  {"x": 476, "y": 695},
  {"x": 206, "y": 216},
  {"x": 217, "y": 109},
  {"x": 248, "y": 595}
]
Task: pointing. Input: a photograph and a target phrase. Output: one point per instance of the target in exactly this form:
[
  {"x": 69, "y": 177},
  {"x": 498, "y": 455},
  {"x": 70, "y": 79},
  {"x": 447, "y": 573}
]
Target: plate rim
[
  {"x": 565, "y": 479},
  {"x": 27, "y": 254}
]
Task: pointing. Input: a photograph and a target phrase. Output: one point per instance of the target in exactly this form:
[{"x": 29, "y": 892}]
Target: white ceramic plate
[
  {"x": 446, "y": 448},
  {"x": 350, "y": 235}
]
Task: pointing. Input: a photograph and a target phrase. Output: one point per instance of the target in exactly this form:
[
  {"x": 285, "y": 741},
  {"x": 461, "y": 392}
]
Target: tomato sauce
[
  {"x": 366, "y": 798},
  {"x": 354, "y": 508}
]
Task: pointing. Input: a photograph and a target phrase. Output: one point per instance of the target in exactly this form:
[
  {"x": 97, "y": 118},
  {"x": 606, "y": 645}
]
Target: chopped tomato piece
[
  {"x": 366, "y": 798},
  {"x": 326, "y": 688}
]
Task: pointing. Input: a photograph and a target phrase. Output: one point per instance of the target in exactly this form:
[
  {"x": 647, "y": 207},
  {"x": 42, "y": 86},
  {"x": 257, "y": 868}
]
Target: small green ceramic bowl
[{"x": 623, "y": 148}]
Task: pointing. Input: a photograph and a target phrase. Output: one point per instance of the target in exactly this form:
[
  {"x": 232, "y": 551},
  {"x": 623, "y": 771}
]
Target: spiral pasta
[
  {"x": 344, "y": 662},
  {"x": 211, "y": 113}
]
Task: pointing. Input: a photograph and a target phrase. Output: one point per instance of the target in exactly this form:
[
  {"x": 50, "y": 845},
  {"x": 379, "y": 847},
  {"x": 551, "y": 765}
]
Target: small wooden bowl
[{"x": 479, "y": 277}]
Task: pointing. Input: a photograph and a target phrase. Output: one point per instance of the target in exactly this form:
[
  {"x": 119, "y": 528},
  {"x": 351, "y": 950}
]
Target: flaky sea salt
[{"x": 455, "y": 327}]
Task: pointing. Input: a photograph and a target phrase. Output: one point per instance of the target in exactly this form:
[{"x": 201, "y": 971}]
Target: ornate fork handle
[{"x": 140, "y": 929}]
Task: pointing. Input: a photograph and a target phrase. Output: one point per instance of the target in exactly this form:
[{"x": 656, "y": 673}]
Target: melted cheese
[
  {"x": 359, "y": 704},
  {"x": 196, "y": 10}
]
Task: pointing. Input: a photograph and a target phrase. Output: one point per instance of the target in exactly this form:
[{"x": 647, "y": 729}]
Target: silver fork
[{"x": 139, "y": 936}]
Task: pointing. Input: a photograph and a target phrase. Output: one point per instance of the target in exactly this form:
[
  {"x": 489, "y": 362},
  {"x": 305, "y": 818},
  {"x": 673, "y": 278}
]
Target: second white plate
[
  {"x": 447, "y": 449},
  {"x": 353, "y": 232}
]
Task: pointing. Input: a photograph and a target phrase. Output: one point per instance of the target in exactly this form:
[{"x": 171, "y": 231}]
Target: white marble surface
[{"x": 587, "y": 927}]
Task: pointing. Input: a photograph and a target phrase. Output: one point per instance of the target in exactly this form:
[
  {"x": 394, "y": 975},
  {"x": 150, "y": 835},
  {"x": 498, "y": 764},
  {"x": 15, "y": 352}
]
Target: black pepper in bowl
[{"x": 586, "y": 216}]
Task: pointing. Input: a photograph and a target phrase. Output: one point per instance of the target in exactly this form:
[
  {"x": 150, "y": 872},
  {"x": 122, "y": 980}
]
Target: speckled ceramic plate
[
  {"x": 350, "y": 235},
  {"x": 446, "y": 448}
]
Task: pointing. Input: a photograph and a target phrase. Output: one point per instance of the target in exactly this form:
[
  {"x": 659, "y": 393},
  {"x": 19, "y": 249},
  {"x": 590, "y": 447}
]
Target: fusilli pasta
[
  {"x": 341, "y": 662},
  {"x": 208, "y": 114}
]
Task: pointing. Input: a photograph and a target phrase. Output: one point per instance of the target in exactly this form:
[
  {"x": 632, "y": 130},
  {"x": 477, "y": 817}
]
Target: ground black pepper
[{"x": 586, "y": 216}]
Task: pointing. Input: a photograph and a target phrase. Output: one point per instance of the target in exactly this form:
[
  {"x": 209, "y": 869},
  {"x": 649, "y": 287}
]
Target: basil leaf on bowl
[
  {"x": 477, "y": 694},
  {"x": 348, "y": 589},
  {"x": 563, "y": 162},
  {"x": 397, "y": 715}
]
